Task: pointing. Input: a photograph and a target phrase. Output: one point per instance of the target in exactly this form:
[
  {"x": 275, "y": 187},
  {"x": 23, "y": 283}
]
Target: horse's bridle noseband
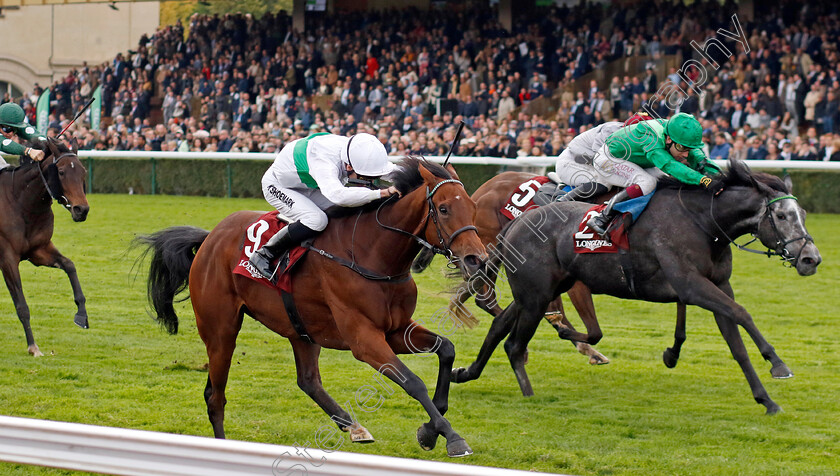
[{"x": 444, "y": 248}]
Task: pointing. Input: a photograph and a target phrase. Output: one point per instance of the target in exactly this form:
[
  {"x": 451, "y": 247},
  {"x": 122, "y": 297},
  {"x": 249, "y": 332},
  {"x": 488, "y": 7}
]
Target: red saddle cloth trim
[
  {"x": 587, "y": 241},
  {"x": 256, "y": 235},
  {"x": 522, "y": 199}
]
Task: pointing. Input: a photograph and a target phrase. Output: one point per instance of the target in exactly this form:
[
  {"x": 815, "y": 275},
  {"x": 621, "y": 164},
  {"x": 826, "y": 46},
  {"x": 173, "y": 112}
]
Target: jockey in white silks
[{"x": 308, "y": 176}]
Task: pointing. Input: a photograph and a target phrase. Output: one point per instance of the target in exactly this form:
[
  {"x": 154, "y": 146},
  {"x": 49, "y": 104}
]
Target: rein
[
  {"x": 62, "y": 199},
  {"x": 781, "y": 244},
  {"x": 402, "y": 277},
  {"x": 444, "y": 248}
]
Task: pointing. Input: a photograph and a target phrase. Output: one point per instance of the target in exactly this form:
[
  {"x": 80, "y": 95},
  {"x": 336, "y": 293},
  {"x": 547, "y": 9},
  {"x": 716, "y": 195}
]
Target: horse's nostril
[{"x": 472, "y": 261}]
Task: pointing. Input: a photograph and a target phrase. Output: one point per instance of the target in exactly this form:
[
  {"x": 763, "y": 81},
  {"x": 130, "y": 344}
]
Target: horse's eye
[
  {"x": 443, "y": 209},
  {"x": 61, "y": 173},
  {"x": 781, "y": 216}
]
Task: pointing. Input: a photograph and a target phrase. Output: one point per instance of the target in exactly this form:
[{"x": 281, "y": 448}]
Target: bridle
[
  {"x": 780, "y": 242},
  {"x": 444, "y": 248},
  {"x": 780, "y": 250},
  {"x": 445, "y": 244},
  {"x": 62, "y": 199}
]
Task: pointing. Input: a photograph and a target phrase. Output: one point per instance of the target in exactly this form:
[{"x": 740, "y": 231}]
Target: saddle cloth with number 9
[{"x": 256, "y": 235}]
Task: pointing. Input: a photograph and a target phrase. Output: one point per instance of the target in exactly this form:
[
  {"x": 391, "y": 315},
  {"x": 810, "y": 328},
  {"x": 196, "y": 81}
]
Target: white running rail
[{"x": 121, "y": 451}]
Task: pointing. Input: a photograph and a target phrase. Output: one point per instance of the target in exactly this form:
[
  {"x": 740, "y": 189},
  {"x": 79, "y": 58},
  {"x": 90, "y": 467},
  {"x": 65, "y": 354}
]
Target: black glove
[{"x": 713, "y": 185}]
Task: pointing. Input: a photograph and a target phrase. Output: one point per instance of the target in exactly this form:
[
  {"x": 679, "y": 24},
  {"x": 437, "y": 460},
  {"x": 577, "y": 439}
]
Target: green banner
[
  {"x": 42, "y": 112},
  {"x": 96, "y": 109}
]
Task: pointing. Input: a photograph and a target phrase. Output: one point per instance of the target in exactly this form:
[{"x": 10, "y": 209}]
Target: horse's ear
[
  {"x": 789, "y": 184},
  {"x": 74, "y": 147},
  {"x": 428, "y": 177},
  {"x": 449, "y": 168}
]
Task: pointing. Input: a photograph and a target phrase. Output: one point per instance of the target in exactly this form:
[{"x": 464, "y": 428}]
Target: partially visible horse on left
[
  {"x": 363, "y": 304},
  {"x": 26, "y": 223}
]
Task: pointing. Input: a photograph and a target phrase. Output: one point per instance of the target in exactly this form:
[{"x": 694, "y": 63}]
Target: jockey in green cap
[
  {"x": 11, "y": 124},
  {"x": 629, "y": 154}
]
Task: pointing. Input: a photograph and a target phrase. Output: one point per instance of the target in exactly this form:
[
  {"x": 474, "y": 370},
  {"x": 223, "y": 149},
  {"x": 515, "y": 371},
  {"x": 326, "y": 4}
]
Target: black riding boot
[
  {"x": 600, "y": 222},
  {"x": 583, "y": 192},
  {"x": 278, "y": 244}
]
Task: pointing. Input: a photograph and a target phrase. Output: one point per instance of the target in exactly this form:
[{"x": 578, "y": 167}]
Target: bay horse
[
  {"x": 679, "y": 251},
  {"x": 26, "y": 223},
  {"x": 490, "y": 198},
  {"x": 339, "y": 307}
]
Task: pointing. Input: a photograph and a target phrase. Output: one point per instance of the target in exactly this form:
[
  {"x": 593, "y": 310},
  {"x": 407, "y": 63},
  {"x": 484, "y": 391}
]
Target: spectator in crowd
[{"x": 721, "y": 149}]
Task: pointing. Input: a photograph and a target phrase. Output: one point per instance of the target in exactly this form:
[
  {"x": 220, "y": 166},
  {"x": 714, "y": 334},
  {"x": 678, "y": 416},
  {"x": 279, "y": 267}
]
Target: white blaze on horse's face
[{"x": 784, "y": 231}]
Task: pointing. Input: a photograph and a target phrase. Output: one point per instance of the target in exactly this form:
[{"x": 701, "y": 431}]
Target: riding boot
[
  {"x": 600, "y": 222},
  {"x": 273, "y": 248},
  {"x": 583, "y": 192}
]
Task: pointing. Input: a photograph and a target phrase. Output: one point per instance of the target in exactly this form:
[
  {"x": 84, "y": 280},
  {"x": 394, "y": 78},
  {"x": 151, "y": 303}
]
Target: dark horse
[
  {"x": 338, "y": 306},
  {"x": 489, "y": 199},
  {"x": 679, "y": 250},
  {"x": 26, "y": 223}
]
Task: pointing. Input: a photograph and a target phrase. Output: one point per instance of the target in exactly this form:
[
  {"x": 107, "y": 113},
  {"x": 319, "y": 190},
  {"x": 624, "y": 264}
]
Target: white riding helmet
[{"x": 367, "y": 156}]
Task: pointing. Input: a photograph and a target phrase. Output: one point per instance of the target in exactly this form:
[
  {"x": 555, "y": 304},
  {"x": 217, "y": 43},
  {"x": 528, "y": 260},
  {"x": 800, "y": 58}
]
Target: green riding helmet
[
  {"x": 12, "y": 115},
  {"x": 685, "y": 130}
]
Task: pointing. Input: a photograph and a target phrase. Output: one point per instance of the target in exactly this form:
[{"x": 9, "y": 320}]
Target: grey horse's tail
[{"x": 422, "y": 261}]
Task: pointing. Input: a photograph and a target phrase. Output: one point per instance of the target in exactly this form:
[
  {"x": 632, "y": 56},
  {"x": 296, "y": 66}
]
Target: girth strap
[{"x": 294, "y": 316}]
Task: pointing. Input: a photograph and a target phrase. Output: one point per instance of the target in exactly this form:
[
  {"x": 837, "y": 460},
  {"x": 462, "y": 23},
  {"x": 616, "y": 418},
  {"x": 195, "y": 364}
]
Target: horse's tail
[
  {"x": 173, "y": 251},
  {"x": 422, "y": 261}
]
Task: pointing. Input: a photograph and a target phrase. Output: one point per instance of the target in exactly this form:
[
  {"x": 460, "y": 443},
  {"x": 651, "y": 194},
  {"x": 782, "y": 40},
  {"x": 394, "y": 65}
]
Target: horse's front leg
[
  {"x": 779, "y": 369},
  {"x": 49, "y": 255},
  {"x": 697, "y": 290},
  {"x": 417, "y": 339},
  {"x": 11, "y": 274},
  {"x": 672, "y": 354}
]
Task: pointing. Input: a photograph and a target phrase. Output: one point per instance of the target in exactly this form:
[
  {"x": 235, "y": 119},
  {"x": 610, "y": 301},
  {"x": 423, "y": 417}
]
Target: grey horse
[{"x": 679, "y": 252}]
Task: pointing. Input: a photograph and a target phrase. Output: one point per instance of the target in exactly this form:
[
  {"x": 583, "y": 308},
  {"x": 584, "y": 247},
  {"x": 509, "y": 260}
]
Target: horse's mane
[
  {"x": 737, "y": 174},
  {"x": 406, "y": 178}
]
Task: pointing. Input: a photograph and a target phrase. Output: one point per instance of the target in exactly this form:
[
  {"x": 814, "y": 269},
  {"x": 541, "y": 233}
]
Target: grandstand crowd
[{"x": 244, "y": 84}]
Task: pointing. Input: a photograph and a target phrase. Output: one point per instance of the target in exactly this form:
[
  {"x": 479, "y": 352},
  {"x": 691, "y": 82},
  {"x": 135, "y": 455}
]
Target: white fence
[
  {"x": 520, "y": 162},
  {"x": 133, "y": 452}
]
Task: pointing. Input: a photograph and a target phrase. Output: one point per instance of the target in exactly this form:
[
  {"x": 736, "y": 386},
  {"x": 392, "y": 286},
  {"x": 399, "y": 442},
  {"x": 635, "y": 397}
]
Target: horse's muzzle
[
  {"x": 809, "y": 259},
  {"x": 471, "y": 264},
  {"x": 79, "y": 212}
]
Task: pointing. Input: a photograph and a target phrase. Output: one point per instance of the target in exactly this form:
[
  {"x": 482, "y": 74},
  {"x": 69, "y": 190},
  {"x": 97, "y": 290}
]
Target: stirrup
[
  {"x": 599, "y": 224},
  {"x": 262, "y": 264}
]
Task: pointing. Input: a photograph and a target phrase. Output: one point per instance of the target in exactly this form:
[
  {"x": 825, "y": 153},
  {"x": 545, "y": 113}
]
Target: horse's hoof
[
  {"x": 781, "y": 371},
  {"x": 773, "y": 409},
  {"x": 669, "y": 358},
  {"x": 427, "y": 437},
  {"x": 359, "y": 434},
  {"x": 458, "y": 448},
  {"x": 459, "y": 375},
  {"x": 81, "y": 321},
  {"x": 34, "y": 351}
]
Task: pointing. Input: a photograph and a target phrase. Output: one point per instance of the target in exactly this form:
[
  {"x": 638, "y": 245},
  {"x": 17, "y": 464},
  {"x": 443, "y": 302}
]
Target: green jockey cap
[
  {"x": 685, "y": 130},
  {"x": 12, "y": 115}
]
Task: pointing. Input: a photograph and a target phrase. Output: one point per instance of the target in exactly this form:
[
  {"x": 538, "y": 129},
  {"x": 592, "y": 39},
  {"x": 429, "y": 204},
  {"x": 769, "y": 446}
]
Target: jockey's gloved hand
[{"x": 713, "y": 185}]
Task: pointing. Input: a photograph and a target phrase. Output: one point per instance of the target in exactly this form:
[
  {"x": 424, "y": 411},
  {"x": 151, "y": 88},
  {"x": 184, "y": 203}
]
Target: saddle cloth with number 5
[{"x": 256, "y": 235}]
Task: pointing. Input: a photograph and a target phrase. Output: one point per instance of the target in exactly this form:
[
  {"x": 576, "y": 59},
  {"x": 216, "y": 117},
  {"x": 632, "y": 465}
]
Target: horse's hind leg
[
  {"x": 582, "y": 301},
  {"x": 672, "y": 354},
  {"x": 218, "y": 325},
  {"x": 417, "y": 339},
  {"x": 11, "y": 275},
  {"x": 50, "y": 256},
  {"x": 516, "y": 345},
  {"x": 309, "y": 380}
]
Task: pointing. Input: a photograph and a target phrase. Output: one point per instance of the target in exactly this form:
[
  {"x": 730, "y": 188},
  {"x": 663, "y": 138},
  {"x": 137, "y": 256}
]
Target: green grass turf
[{"x": 633, "y": 416}]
